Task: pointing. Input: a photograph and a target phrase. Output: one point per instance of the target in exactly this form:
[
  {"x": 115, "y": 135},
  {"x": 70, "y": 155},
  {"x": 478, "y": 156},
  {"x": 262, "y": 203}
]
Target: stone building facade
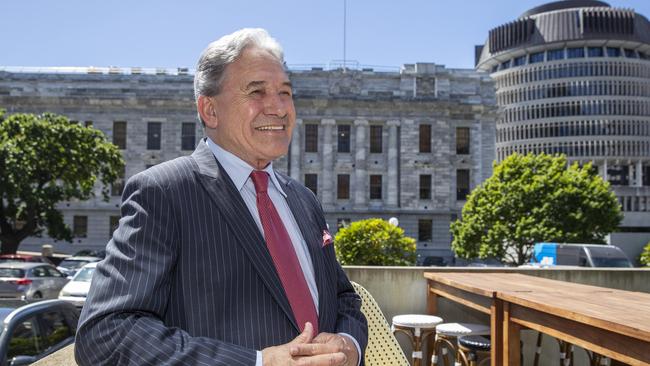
[
  {"x": 408, "y": 144},
  {"x": 573, "y": 77}
]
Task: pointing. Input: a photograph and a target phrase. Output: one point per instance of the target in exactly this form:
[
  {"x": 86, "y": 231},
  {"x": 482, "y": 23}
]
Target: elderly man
[{"x": 218, "y": 258}]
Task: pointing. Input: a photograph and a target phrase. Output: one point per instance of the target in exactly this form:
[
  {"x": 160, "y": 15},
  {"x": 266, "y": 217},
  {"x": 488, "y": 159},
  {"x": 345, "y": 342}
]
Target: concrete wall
[{"x": 403, "y": 290}]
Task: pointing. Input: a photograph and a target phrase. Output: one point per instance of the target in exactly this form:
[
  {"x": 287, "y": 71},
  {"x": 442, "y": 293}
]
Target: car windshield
[
  {"x": 11, "y": 273},
  {"x": 85, "y": 275},
  {"x": 73, "y": 264}
]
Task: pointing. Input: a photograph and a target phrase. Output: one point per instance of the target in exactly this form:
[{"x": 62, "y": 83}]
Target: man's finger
[
  {"x": 312, "y": 349},
  {"x": 329, "y": 359},
  {"x": 306, "y": 335}
]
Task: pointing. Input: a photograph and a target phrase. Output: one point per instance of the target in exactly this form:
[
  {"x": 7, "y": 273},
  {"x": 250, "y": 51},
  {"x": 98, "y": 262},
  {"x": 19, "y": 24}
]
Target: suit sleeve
[
  {"x": 350, "y": 319},
  {"x": 121, "y": 322}
]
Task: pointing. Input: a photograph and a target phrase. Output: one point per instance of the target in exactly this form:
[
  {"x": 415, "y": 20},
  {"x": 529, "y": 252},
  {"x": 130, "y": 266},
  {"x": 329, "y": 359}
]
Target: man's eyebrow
[{"x": 255, "y": 84}]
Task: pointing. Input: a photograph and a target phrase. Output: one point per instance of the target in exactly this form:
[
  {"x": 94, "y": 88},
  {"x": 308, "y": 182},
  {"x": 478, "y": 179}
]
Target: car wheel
[{"x": 37, "y": 295}]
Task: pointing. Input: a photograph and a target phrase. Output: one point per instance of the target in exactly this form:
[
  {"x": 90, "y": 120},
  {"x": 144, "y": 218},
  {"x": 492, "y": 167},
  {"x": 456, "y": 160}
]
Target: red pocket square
[{"x": 327, "y": 238}]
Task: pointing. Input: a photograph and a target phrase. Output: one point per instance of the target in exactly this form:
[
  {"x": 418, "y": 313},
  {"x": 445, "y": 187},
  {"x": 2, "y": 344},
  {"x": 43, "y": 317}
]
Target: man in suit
[{"x": 218, "y": 258}]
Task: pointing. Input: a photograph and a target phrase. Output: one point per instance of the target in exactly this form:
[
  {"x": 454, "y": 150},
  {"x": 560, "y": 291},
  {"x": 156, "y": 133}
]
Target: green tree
[
  {"x": 534, "y": 198},
  {"x": 644, "y": 259},
  {"x": 374, "y": 242},
  {"x": 45, "y": 160}
]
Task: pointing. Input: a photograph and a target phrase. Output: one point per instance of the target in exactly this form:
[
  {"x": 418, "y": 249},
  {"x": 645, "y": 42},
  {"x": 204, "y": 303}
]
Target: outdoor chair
[{"x": 382, "y": 348}]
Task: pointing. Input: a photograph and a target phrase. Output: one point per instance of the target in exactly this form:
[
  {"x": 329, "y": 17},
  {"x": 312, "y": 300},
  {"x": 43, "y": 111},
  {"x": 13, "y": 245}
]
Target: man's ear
[{"x": 205, "y": 106}]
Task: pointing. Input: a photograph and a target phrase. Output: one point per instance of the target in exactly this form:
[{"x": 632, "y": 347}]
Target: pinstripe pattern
[{"x": 188, "y": 279}]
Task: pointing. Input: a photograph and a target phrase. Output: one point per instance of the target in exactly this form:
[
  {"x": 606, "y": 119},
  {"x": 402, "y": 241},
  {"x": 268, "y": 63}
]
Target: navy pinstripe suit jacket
[{"x": 188, "y": 280}]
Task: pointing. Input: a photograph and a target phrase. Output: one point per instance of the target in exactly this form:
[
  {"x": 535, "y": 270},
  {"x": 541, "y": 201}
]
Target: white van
[{"x": 583, "y": 255}]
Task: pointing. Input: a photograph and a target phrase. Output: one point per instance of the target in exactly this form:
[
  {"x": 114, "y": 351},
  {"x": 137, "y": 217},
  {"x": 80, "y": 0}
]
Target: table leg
[
  {"x": 511, "y": 339},
  {"x": 496, "y": 332},
  {"x": 432, "y": 301}
]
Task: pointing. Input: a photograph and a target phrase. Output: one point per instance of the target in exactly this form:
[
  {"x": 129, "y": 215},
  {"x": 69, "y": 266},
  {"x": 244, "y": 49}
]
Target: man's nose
[{"x": 275, "y": 105}]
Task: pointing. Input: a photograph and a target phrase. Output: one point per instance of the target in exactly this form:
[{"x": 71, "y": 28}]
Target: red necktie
[{"x": 284, "y": 256}]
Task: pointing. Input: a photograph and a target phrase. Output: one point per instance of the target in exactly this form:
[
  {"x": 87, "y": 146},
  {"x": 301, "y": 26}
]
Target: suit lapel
[
  {"x": 310, "y": 232},
  {"x": 223, "y": 193}
]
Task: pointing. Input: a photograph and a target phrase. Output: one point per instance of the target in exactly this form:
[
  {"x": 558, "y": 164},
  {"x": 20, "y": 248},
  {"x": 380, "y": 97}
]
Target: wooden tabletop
[{"x": 624, "y": 312}]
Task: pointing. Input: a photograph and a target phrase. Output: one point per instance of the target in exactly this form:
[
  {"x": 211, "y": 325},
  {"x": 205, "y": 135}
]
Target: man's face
[{"x": 254, "y": 109}]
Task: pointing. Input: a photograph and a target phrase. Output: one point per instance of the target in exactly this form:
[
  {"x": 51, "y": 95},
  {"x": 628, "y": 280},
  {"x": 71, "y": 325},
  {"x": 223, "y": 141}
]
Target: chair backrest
[{"x": 382, "y": 348}]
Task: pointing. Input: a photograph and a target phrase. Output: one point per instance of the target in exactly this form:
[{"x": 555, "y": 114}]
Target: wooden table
[{"x": 613, "y": 323}]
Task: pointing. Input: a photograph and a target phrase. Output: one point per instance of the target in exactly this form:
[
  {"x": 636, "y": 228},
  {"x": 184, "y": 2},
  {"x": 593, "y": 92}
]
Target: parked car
[
  {"x": 33, "y": 331},
  {"x": 23, "y": 258},
  {"x": 71, "y": 265},
  {"x": 91, "y": 253},
  {"x": 76, "y": 290},
  {"x": 582, "y": 255},
  {"x": 30, "y": 281}
]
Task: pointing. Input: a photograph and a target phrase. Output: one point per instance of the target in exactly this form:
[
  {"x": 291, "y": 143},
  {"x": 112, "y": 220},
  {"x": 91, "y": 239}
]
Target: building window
[
  {"x": 80, "y": 226},
  {"x": 519, "y": 61},
  {"x": 462, "y": 140},
  {"x": 311, "y": 182},
  {"x": 343, "y": 144},
  {"x": 375, "y": 187},
  {"x": 629, "y": 53},
  {"x": 425, "y": 186},
  {"x": 88, "y": 123},
  {"x": 153, "y": 135},
  {"x": 425, "y": 138},
  {"x": 375, "y": 139},
  {"x": 613, "y": 52},
  {"x": 113, "y": 223},
  {"x": 536, "y": 57},
  {"x": 575, "y": 52},
  {"x": 343, "y": 186},
  {"x": 188, "y": 136},
  {"x": 595, "y": 52},
  {"x": 119, "y": 134},
  {"x": 118, "y": 186},
  {"x": 646, "y": 176},
  {"x": 311, "y": 138},
  {"x": 555, "y": 54},
  {"x": 425, "y": 229},
  {"x": 505, "y": 65},
  {"x": 462, "y": 184}
]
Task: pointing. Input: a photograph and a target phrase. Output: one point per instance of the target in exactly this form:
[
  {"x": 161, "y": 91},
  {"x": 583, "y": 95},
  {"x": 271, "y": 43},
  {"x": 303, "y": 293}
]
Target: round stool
[
  {"x": 446, "y": 338},
  {"x": 418, "y": 328},
  {"x": 473, "y": 348}
]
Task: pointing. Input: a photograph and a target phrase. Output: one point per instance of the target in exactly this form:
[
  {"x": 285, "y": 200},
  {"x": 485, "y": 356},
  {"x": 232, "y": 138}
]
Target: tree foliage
[
  {"x": 644, "y": 259},
  {"x": 45, "y": 160},
  {"x": 534, "y": 198},
  {"x": 374, "y": 242}
]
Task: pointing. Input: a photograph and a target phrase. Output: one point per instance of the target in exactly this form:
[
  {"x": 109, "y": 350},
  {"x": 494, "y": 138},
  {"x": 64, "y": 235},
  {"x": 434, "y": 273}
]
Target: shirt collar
[{"x": 238, "y": 170}]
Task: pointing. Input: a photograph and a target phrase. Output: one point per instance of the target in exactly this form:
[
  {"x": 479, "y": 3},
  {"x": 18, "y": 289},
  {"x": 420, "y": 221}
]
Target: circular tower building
[{"x": 573, "y": 77}]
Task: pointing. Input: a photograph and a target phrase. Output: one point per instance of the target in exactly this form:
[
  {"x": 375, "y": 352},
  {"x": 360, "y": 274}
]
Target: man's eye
[{"x": 257, "y": 92}]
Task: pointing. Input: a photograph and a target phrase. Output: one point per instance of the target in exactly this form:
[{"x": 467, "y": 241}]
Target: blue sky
[{"x": 165, "y": 33}]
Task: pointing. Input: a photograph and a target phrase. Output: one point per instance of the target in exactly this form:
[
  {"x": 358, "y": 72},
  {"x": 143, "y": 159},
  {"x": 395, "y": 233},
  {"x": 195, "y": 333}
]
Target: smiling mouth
[{"x": 271, "y": 128}]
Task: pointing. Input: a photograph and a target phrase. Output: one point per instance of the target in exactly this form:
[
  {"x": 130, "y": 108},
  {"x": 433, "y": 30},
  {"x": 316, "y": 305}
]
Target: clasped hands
[{"x": 326, "y": 349}]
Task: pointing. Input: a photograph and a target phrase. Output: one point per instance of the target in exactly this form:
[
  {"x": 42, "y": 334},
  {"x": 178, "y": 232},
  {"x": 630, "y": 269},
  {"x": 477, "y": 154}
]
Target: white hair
[{"x": 210, "y": 69}]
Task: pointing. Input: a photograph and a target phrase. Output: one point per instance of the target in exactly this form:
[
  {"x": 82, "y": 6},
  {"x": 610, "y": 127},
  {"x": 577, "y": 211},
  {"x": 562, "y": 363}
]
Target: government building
[
  {"x": 573, "y": 77},
  {"x": 409, "y": 144}
]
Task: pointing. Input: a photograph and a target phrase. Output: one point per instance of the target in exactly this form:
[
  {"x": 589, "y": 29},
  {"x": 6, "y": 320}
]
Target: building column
[
  {"x": 393, "y": 164},
  {"x": 360, "y": 173},
  {"x": 327, "y": 192},
  {"x": 296, "y": 147},
  {"x": 639, "y": 173},
  {"x": 604, "y": 175}
]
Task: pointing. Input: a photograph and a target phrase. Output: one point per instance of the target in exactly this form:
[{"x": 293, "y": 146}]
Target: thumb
[{"x": 306, "y": 335}]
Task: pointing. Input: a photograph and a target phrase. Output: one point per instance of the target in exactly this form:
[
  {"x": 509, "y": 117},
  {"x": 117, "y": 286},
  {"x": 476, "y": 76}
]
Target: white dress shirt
[{"x": 239, "y": 172}]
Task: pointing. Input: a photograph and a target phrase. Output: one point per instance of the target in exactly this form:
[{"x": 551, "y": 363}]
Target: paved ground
[{"x": 63, "y": 357}]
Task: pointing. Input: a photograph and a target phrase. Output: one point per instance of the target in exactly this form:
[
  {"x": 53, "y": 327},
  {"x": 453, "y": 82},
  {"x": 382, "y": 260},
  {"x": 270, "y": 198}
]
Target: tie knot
[{"x": 260, "y": 180}]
